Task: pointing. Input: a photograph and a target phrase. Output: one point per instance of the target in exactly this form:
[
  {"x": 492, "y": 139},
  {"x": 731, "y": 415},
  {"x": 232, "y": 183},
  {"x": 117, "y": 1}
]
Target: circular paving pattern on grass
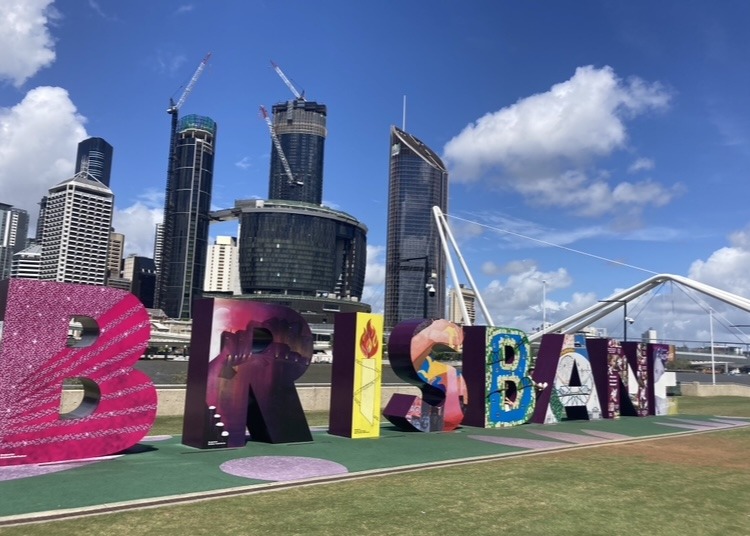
[
  {"x": 15, "y": 472},
  {"x": 282, "y": 468}
]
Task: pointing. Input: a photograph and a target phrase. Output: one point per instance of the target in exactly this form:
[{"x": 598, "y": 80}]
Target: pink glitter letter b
[{"x": 119, "y": 404}]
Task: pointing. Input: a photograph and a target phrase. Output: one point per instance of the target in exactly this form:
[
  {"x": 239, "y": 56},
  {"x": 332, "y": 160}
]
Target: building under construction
[{"x": 292, "y": 250}]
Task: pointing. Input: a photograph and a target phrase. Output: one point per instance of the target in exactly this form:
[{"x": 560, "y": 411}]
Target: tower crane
[
  {"x": 297, "y": 94},
  {"x": 173, "y": 110},
  {"x": 287, "y": 169},
  {"x": 175, "y": 107}
]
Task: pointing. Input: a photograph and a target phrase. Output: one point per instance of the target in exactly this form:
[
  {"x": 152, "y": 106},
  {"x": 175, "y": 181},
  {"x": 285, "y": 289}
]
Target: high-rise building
[
  {"x": 77, "y": 226},
  {"x": 40, "y": 221},
  {"x": 455, "y": 313},
  {"x": 300, "y": 126},
  {"x": 186, "y": 217},
  {"x": 115, "y": 254},
  {"x": 222, "y": 266},
  {"x": 141, "y": 272},
  {"x": 14, "y": 230},
  {"x": 158, "y": 244},
  {"x": 292, "y": 248},
  {"x": 95, "y": 157},
  {"x": 415, "y": 267},
  {"x": 27, "y": 263}
]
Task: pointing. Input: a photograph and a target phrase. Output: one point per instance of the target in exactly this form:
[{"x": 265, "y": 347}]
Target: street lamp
[
  {"x": 428, "y": 288},
  {"x": 625, "y": 318}
]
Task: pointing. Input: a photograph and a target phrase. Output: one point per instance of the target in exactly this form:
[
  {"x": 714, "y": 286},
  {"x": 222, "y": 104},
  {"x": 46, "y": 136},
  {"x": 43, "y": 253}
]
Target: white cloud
[
  {"x": 24, "y": 39},
  {"x": 244, "y": 163},
  {"x": 726, "y": 268},
  {"x": 38, "y": 143},
  {"x": 543, "y": 146},
  {"x": 168, "y": 61},
  {"x": 641, "y": 164},
  {"x": 575, "y": 191},
  {"x": 517, "y": 300},
  {"x": 138, "y": 223},
  {"x": 375, "y": 278}
]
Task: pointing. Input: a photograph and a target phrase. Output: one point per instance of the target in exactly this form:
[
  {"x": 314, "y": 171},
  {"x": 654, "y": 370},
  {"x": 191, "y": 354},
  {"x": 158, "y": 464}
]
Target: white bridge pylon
[{"x": 588, "y": 316}]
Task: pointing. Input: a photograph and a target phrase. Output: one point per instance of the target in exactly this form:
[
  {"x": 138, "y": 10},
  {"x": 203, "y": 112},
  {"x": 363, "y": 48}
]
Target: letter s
[{"x": 444, "y": 395}]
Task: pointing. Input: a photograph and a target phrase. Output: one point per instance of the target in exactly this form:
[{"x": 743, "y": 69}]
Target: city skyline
[{"x": 606, "y": 129}]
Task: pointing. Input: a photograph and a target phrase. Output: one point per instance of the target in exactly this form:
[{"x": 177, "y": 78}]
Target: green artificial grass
[{"x": 681, "y": 486}]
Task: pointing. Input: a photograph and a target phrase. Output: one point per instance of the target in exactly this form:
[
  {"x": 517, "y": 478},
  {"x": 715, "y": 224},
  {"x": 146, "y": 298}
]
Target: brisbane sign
[{"x": 246, "y": 356}]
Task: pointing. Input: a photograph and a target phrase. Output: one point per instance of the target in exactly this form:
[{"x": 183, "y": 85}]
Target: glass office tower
[
  {"x": 415, "y": 266},
  {"x": 300, "y": 249},
  {"x": 95, "y": 157},
  {"x": 186, "y": 217},
  {"x": 301, "y": 128}
]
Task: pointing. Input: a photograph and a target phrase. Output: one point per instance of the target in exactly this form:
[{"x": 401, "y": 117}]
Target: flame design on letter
[{"x": 368, "y": 342}]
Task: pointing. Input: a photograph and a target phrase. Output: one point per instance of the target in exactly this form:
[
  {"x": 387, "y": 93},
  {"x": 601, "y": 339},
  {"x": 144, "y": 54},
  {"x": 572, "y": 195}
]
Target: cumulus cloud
[
  {"x": 24, "y": 38},
  {"x": 38, "y": 145},
  {"x": 726, "y": 268},
  {"x": 138, "y": 223},
  {"x": 543, "y": 146},
  {"x": 373, "y": 292},
  {"x": 641, "y": 164},
  {"x": 517, "y": 300},
  {"x": 575, "y": 190}
]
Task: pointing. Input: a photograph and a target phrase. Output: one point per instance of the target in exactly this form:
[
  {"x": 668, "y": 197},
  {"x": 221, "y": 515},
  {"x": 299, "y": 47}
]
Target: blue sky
[{"x": 618, "y": 131}]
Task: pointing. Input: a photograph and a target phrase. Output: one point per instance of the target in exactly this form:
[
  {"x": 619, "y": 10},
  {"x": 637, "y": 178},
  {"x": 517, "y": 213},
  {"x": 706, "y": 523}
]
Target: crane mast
[
  {"x": 279, "y": 150},
  {"x": 288, "y": 83}
]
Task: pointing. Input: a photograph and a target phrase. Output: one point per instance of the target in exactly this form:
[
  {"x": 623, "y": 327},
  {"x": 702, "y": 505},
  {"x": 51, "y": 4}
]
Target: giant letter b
[{"x": 119, "y": 404}]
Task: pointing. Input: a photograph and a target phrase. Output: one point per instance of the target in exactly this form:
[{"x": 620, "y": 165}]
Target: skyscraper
[
  {"x": 415, "y": 267},
  {"x": 186, "y": 217},
  {"x": 95, "y": 157},
  {"x": 40, "y": 220},
  {"x": 141, "y": 272},
  {"x": 455, "y": 313},
  {"x": 14, "y": 230},
  {"x": 77, "y": 223},
  {"x": 294, "y": 251},
  {"x": 158, "y": 244},
  {"x": 27, "y": 263},
  {"x": 222, "y": 266},
  {"x": 300, "y": 126},
  {"x": 115, "y": 254}
]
